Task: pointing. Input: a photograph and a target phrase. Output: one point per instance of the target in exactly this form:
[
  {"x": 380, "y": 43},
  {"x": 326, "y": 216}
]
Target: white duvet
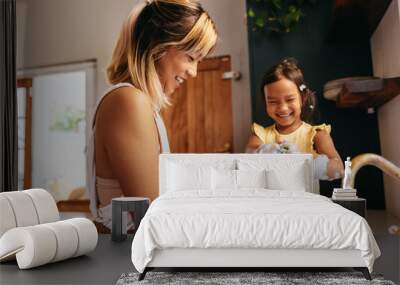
[{"x": 251, "y": 218}]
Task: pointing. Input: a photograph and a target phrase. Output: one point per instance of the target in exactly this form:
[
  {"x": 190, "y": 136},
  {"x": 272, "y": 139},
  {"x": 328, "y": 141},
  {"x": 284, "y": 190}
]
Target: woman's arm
[
  {"x": 130, "y": 139},
  {"x": 324, "y": 145}
]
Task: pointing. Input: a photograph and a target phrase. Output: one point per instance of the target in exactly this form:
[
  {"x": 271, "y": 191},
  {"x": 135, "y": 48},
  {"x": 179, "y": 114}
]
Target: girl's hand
[
  {"x": 323, "y": 144},
  {"x": 334, "y": 169},
  {"x": 268, "y": 148},
  {"x": 286, "y": 147},
  {"x": 320, "y": 167},
  {"x": 327, "y": 169}
]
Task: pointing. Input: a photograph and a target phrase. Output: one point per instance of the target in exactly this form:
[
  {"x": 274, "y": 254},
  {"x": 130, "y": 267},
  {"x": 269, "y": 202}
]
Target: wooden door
[
  {"x": 200, "y": 118},
  {"x": 24, "y": 132}
]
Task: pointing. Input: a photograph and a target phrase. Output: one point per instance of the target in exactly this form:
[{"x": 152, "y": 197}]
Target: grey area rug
[{"x": 232, "y": 278}]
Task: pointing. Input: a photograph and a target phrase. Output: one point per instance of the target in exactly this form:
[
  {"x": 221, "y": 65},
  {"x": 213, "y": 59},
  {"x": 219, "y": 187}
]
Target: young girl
[{"x": 290, "y": 103}]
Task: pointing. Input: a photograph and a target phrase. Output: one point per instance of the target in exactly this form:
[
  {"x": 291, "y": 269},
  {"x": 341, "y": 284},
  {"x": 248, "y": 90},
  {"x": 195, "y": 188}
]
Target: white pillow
[
  {"x": 294, "y": 180},
  {"x": 235, "y": 179},
  {"x": 284, "y": 171},
  {"x": 251, "y": 178},
  {"x": 223, "y": 179},
  {"x": 188, "y": 177}
]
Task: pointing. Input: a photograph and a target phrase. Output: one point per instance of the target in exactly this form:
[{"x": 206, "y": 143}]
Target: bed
[{"x": 246, "y": 211}]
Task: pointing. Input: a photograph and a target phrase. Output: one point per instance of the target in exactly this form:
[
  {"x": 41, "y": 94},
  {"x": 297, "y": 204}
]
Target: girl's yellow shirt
[{"x": 302, "y": 137}]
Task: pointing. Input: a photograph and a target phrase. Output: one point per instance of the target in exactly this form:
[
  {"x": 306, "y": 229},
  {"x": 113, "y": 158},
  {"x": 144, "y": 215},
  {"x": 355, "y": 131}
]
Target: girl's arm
[
  {"x": 253, "y": 144},
  {"x": 323, "y": 144},
  {"x": 130, "y": 140}
]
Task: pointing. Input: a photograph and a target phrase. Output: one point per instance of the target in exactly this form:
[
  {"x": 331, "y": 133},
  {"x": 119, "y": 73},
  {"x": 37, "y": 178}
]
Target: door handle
[
  {"x": 225, "y": 149},
  {"x": 235, "y": 75}
]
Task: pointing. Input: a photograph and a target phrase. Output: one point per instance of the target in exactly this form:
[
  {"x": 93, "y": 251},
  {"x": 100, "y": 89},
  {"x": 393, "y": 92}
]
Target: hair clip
[{"x": 302, "y": 87}]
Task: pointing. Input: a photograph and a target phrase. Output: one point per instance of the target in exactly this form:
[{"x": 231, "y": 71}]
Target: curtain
[{"x": 8, "y": 98}]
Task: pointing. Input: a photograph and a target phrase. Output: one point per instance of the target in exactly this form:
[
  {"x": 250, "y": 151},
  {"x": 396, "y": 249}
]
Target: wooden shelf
[{"x": 368, "y": 93}]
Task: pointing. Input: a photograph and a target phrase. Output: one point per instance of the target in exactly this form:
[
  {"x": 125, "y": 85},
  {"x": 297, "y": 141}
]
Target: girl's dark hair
[{"x": 289, "y": 69}]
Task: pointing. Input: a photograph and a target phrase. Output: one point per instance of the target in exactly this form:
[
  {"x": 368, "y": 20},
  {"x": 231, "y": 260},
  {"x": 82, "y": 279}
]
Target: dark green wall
[{"x": 353, "y": 130}]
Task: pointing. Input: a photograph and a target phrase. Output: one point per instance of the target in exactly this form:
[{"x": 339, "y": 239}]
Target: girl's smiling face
[
  {"x": 283, "y": 104},
  {"x": 174, "y": 67}
]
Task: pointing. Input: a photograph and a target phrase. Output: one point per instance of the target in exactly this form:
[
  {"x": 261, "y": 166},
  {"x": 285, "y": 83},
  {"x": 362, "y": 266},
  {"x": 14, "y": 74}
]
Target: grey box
[
  {"x": 137, "y": 205},
  {"x": 358, "y": 205}
]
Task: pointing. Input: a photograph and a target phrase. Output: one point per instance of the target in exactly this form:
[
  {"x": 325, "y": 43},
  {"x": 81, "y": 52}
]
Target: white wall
[
  {"x": 64, "y": 31},
  {"x": 385, "y": 48}
]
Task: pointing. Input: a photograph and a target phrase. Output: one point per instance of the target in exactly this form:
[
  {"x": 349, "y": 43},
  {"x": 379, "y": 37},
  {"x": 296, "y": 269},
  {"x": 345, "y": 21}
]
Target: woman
[{"x": 159, "y": 47}]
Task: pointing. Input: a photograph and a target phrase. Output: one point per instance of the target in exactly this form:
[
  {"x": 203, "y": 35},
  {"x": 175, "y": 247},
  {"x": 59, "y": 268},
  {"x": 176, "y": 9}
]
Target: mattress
[{"x": 251, "y": 219}]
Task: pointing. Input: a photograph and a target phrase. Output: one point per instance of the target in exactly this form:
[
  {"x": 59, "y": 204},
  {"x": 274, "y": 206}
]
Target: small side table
[
  {"x": 137, "y": 205},
  {"x": 358, "y": 205}
]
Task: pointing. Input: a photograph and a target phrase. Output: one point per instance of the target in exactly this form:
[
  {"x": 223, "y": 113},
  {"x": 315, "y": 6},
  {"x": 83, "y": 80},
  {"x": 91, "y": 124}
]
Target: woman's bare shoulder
[
  {"x": 125, "y": 103},
  {"x": 127, "y": 97}
]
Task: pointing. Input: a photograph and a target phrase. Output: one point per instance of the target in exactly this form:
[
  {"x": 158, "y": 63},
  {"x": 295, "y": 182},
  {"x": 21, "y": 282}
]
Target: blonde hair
[{"x": 149, "y": 30}]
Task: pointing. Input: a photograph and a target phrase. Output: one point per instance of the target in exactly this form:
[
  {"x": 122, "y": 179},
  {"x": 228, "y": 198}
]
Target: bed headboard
[{"x": 285, "y": 165}]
